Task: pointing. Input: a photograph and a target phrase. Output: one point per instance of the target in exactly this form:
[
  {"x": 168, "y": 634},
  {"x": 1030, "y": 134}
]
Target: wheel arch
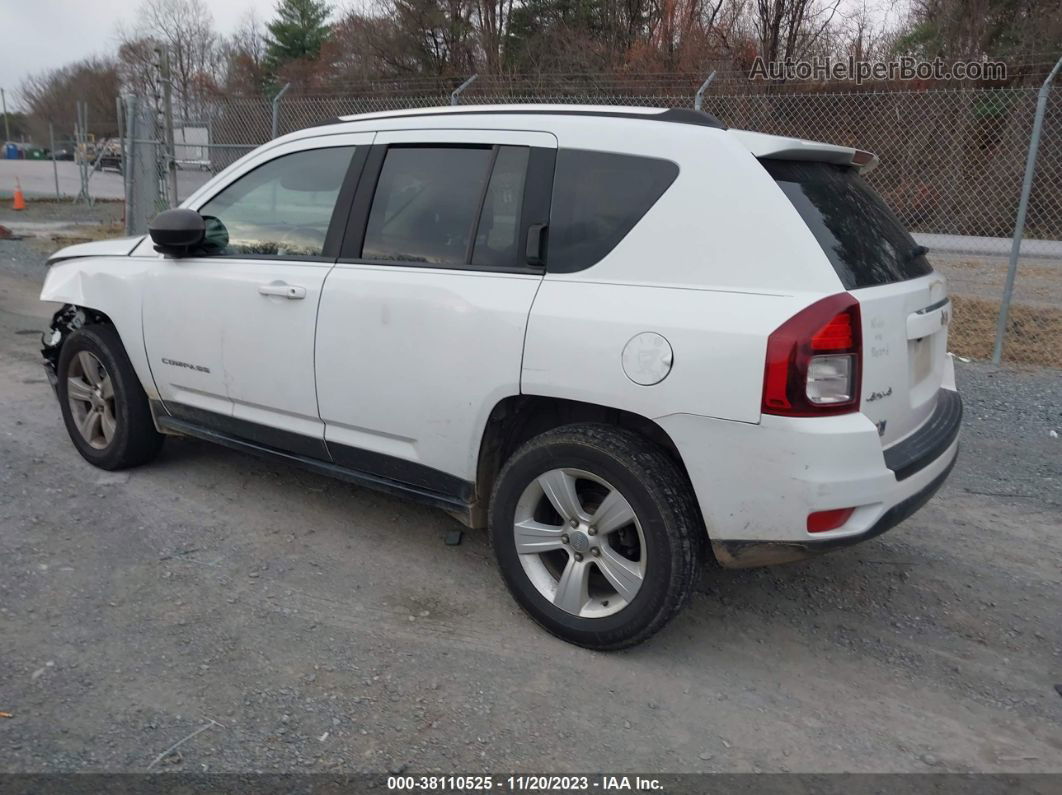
[
  {"x": 68, "y": 319},
  {"x": 517, "y": 418}
]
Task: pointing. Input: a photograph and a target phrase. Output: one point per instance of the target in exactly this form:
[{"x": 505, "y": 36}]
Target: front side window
[
  {"x": 598, "y": 197},
  {"x": 426, "y": 204},
  {"x": 282, "y": 208}
]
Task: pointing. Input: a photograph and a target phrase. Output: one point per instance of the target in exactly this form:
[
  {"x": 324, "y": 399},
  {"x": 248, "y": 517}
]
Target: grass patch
[
  {"x": 1033, "y": 335},
  {"x": 84, "y": 233}
]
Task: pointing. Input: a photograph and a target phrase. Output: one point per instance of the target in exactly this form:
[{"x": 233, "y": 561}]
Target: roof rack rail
[{"x": 671, "y": 115}]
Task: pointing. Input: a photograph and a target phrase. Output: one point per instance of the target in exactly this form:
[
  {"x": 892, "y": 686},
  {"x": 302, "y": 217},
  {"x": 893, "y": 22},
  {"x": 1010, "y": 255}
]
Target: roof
[{"x": 671, "y": 115}]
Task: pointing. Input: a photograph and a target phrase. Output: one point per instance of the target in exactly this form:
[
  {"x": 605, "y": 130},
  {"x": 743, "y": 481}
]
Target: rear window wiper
[{"x": 916, "y": 252}]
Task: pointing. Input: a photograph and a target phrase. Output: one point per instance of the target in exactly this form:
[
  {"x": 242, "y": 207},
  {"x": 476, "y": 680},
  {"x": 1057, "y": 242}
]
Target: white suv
[{"x": 610, "y": 335}]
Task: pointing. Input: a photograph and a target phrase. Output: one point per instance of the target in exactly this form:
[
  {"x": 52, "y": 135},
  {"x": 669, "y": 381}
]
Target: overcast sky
[{"x": 42, "y": 34}]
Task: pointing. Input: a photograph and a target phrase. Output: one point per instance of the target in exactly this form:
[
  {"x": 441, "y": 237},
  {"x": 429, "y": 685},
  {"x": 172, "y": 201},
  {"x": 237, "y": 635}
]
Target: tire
[
  {"x": 124, "y": 433},
  {"x": 638, "y": 574}
]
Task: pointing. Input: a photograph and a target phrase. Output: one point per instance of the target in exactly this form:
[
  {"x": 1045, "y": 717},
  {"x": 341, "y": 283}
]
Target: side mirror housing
[{"x": 177, "y": 232}]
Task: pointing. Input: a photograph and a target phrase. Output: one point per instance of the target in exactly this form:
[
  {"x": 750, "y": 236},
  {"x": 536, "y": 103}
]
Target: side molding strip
[{"x": 455, "y": 502}]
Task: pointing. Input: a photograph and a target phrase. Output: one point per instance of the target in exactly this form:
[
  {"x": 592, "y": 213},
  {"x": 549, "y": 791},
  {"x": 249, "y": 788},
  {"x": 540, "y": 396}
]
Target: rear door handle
[{"x": 292, "y": 291}]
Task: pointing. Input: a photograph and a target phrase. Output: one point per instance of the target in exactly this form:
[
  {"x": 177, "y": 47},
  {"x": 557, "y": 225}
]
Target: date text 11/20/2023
[{"x": 524, "y": 783}]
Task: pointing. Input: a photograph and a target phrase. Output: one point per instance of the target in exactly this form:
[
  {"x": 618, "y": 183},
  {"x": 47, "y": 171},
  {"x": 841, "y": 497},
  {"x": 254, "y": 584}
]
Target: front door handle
[{"x": 284, "y": 290}]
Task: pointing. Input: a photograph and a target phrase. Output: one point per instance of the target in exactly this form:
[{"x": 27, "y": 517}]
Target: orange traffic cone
[{"x": 20, "y": 200}]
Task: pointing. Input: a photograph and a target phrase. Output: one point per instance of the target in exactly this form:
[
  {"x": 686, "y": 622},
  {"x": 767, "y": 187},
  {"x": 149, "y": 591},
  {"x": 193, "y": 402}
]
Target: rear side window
[
  {"x": 864, "y": 241},
  {"x": 598, "y": 197}
]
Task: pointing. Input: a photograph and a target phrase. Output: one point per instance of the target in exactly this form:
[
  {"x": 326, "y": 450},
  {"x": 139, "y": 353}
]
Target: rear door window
[
  {"x": 498, "y": 230},
  {"x": 598, "y": 197},
  {"x": 426, "y": 204},
  {"x": 863, "y": 239}
]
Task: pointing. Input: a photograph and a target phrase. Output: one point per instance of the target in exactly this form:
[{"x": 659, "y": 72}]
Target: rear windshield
[{"x": 865, "y": 242}]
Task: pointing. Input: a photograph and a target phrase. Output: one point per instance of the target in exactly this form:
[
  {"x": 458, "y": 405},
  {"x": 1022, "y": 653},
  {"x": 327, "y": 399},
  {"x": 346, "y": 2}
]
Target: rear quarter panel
[
  {"x": 717, "y": 264},
  {"x": 578, "y": 330}
]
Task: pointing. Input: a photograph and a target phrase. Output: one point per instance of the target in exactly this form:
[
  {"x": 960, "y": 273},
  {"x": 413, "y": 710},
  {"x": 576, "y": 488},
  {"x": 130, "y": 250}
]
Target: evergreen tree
[{"x": 299, "y": 30}]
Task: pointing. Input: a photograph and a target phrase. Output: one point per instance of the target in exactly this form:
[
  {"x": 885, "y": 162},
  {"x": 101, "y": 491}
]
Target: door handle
[{"x": 292, "y": 291}]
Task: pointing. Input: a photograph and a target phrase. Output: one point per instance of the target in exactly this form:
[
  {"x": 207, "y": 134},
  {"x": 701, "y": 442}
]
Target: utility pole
[{"x": 7, "y": 127}]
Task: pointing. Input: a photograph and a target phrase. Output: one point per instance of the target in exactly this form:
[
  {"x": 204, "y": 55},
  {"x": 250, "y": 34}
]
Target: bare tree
[
  {"x": 492, "y": 18},
  {"x": 52, "y": 96},
  {"x": 788, "y": 29},
  {"x": 244, "y": 57},
  {"x": 185, "y": 28},
  {"x": 969, "y": 29},
  {"x": 862, "y": 32}
]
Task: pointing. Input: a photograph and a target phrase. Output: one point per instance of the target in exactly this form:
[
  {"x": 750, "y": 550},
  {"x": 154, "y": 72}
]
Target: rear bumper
[
  {"x": 744, "y": 554},
  {"x": 757, "y": 484},
  {"x": 930, "y": 441}
]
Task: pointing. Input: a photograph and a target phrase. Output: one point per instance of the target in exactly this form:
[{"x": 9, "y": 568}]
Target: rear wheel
[
  {"x": 596, "y": 535},
  {"x": 103, "y": 404}
]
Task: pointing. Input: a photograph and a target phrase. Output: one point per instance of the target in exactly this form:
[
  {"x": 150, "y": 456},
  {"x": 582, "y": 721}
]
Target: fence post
[
  {"x": 698, "y": 99},
  {"x": 55, "y": 168},
  {"x": 455, "y": 95},
  {"x": 169, "y": 150},
  {"x": 129, "y": 163},
  {"x": 7, "y": 126},
  {"x": 1023, "y": 206},
  {"x": 276, "y": 108},
  {"x": 82, "y": 152}
]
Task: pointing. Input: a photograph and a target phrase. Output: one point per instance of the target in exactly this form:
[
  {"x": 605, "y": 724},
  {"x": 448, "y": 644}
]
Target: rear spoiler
[{"x": 777, "y": 147}]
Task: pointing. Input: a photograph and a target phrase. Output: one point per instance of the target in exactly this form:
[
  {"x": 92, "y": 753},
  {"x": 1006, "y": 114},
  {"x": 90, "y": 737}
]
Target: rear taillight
[{"x": 814, "y": 361}]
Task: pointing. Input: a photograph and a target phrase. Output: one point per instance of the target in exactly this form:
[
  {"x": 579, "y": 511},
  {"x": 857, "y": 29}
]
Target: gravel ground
[
  {"x": 1009, "y": 417},
  {"x": 322, "y": 627},
  {"x": 24, "y": 258}
]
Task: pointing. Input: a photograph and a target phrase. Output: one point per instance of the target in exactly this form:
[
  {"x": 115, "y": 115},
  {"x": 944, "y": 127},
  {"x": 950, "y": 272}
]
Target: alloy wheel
[
  {"x": 580, "y": 543},
  {"x": 90, "y": 393}
]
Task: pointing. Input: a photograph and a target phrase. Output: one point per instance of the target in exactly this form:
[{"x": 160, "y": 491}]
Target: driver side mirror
[{"x": 177, "y": 232}]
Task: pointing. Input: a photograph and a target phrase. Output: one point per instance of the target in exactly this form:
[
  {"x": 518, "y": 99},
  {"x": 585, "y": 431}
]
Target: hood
[{"x": 116, "y": 247}]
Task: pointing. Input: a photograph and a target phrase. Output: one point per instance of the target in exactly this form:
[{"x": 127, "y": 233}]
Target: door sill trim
[{"x": 455, "y": 505}]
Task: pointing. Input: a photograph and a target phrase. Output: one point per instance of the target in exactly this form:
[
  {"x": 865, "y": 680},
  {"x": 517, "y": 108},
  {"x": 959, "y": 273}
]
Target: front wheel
[
  {"x": 103, "y": 404},
  {"x": 596, "y": 534}
]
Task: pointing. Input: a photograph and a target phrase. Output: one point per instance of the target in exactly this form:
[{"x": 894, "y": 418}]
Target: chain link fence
[{"x": 952, "y": 162}]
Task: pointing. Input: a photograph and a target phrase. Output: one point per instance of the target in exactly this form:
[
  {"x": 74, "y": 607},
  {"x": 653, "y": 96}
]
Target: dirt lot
[{"x": 311, "y": 625}]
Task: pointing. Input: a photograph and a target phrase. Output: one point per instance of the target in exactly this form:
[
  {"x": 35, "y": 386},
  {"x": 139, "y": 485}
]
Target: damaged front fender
[
  {"x": 99, "y": 289},
  {"x": 64, "y": 323}
]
